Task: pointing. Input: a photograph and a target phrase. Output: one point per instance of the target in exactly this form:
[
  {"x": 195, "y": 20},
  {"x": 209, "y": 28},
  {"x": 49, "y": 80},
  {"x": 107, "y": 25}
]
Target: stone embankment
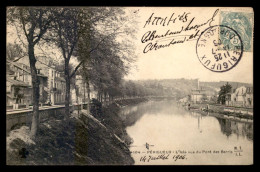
[{"x": 230, "y": 112}]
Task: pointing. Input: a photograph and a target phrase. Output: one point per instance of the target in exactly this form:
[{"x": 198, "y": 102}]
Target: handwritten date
[{"x": 162, "y": 157}]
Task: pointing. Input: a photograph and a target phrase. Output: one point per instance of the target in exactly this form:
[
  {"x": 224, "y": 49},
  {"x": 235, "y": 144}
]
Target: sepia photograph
[{"x": 110, "y": 85}]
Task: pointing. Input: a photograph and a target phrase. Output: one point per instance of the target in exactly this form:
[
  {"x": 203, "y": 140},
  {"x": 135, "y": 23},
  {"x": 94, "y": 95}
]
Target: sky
[{"x": 178, "y": 60}]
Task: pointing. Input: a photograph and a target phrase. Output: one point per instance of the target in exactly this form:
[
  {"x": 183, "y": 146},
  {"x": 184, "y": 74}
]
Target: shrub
[{"x": 96, "y": 107}]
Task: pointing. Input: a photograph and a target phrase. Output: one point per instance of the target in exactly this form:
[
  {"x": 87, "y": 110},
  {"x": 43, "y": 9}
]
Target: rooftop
[{"x": 17, "y": 82}]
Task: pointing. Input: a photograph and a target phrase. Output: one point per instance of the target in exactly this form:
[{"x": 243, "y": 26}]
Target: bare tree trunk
[
  {"x": 84, "y": 91},
  {"x": 88, "y": 92},
  {"x": 36, "y": 95},
  {"x": 67, "y": 95},
  {"x": 105, "y": 98},
  {"x": 99, "y": 96},
  {"x": 77, "y": 96}
]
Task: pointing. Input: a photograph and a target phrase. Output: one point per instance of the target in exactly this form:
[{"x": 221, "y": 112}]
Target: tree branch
[
  {"x": 23, "y": 24},
  {"x": 77, "y": 67},
  {"x": 61, "y": 42},
  {"x": 42, "y": 31},
  {"x": 19, "y": 36},
  {"x": 18, "y": 58}
]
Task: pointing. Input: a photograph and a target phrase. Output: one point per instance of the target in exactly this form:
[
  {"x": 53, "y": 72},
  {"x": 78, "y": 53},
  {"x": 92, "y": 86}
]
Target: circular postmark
[{"x": 219, "y": 48}]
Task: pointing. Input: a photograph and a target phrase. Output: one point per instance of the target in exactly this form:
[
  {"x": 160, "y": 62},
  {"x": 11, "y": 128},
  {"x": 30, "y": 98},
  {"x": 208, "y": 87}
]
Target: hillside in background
[{"x": 182, "y": 87}]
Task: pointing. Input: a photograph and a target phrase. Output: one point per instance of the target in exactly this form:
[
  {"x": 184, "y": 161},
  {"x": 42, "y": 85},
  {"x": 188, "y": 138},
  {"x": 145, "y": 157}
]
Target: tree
[
  {"x": 85, "y": 79},
  {"x": 34, "y": 22},
  {"x": 223, "y": 92},
  {"x": 80, "y": 32},
  {"x": 13, "y": 51},
  {"x": 66, "y": 30}
]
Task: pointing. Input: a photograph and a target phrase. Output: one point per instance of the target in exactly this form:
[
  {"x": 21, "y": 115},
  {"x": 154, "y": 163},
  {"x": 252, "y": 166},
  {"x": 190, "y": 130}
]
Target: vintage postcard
[{"x": 129, "y": 85}]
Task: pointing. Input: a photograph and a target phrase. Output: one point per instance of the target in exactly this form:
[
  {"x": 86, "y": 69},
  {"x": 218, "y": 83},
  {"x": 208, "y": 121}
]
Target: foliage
[
  {"x": 13, "y": 51},
  {"x": 90, "y": 34},
  {"x": 96, "y": 107},
  {"x": 104, "y": 58},
  {"x": 223, "y": 92}
]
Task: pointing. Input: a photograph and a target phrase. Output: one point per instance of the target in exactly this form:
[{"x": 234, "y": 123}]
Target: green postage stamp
[{"x": 242, "y": 23}]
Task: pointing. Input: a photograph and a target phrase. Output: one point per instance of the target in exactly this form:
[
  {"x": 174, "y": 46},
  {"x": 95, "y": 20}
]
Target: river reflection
[
  {"x": 167, "y": 126},
  {"x": 229, "y": 127}
]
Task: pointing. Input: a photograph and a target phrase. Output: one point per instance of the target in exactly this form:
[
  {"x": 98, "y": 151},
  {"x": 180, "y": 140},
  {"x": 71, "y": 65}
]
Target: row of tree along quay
[{"x": 90, "y": 35}]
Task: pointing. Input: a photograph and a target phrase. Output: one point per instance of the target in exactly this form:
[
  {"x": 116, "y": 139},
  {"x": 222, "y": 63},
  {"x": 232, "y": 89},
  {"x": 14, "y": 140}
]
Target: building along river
[{"x": 164, "y": 132}]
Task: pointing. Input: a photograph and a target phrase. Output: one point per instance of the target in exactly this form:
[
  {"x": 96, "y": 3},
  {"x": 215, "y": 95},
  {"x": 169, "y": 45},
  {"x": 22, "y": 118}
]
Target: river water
[{"x": 164, "y": 132}]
